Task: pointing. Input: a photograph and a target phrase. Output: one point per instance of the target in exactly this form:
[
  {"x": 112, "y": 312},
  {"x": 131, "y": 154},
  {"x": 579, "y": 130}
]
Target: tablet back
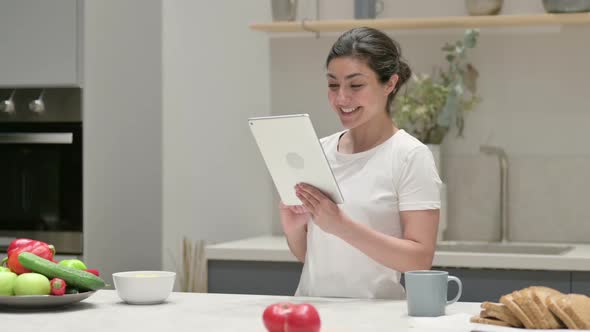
[{"x": 293, "y": 154}]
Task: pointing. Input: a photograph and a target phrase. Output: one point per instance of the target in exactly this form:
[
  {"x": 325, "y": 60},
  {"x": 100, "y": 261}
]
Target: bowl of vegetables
[{"x": 144, "y": 287}]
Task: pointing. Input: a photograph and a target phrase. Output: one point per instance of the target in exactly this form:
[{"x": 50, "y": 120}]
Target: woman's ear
[{"x": 391, "y": 84}]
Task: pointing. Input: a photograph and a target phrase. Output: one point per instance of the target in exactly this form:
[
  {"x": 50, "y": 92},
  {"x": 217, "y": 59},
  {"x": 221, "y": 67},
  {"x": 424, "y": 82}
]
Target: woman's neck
[{"x": 368, "y": 135}]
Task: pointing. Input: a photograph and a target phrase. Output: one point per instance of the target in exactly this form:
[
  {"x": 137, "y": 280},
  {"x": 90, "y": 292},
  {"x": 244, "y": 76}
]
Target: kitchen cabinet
[
  {"x": 489, "y": 284},
  {"x": 282, "y": 278},
  {"x": 581, "y": 282},
  {"x": 40, "y": 43},
  {"x": 253, "y": 277}
]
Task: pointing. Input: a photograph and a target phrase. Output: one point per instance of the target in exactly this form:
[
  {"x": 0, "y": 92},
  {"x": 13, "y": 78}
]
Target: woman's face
[{"x": 355, "y": 92}]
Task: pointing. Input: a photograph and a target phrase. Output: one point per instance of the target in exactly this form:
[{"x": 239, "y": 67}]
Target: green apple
[
  {"x": 7, "y": 280},
  {"x": 4, "y": 269},
  {"x": 32, "y": 284},
  {"x": 73, "y": 263}
]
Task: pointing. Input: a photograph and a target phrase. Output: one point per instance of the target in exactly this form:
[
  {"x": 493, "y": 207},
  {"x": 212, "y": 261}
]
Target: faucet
[{"x": 503, "y": 160}]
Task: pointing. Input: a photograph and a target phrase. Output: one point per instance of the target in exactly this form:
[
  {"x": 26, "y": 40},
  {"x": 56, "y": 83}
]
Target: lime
[{"x": 73, "y": 263}]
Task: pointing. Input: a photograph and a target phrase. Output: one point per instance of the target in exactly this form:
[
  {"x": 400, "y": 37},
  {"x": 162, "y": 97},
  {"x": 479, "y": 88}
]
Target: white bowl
[
  {"x": 483, "y": 7},
  {"x": 144, "y": 287}
]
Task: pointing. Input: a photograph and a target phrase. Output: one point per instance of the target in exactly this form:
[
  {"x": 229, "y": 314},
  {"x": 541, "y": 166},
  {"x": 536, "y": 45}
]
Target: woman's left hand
[{"x": 326, "y": 214}]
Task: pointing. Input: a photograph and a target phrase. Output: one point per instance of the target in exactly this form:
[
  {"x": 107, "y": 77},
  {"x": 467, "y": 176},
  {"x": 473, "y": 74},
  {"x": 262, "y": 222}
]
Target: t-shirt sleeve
[{"x": 419, "y": 182}]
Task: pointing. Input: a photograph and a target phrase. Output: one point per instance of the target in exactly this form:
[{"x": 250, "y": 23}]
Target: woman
[{"x": 389, "y": 220}]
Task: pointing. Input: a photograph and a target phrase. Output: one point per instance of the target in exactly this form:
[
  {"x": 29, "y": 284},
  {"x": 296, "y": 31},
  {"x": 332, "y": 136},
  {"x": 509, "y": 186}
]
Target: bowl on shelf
[
  {"x": 483, "y": 7},
  {"x": 566, "y": 6},
  {"x": 144, "y": 287}
]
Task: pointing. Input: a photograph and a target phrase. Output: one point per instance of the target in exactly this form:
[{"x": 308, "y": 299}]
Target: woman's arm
[
  {"x": 297, "y": 241},
  {"x": 414, "y": 251},
  {"x": 294, "y": 220}
]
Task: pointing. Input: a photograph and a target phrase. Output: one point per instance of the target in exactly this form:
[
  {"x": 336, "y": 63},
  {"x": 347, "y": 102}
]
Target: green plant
[{"x": 433, "y": 103}]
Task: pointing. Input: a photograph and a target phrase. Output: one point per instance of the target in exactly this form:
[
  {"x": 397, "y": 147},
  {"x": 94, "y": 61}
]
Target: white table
[{"x": 104, "y": 311}]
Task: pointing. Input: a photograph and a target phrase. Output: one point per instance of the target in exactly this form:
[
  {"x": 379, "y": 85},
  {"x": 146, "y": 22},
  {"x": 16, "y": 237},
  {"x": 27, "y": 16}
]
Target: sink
[{"x": 503, "y": 248}]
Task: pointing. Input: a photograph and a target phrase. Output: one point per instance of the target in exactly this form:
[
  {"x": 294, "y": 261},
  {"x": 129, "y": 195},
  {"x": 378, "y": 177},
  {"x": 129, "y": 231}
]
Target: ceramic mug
[
  {"x": 426, "y": 292},
  {"x": 367, "y": 9}
]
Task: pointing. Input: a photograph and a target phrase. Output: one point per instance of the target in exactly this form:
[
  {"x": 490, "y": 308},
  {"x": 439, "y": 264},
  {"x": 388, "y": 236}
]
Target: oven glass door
[{"x": 41, "y": 177}]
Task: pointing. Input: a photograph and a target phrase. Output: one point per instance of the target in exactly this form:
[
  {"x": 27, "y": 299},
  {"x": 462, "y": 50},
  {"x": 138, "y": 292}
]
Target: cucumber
[
  {"x": 73, "y": 277},
  {"x": 71, "y": 290}
]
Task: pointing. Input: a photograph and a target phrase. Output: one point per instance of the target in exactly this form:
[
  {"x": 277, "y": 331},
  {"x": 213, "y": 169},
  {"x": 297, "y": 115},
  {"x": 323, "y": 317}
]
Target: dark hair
[{"x": 381, "y": 53}]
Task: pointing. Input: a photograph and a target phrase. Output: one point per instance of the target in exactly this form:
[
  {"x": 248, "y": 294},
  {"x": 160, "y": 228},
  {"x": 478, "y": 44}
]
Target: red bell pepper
[
  {"x": 17, "y": 246},
  {"x": 18, "y": 243},
  {"x": 58, "y": 286}
]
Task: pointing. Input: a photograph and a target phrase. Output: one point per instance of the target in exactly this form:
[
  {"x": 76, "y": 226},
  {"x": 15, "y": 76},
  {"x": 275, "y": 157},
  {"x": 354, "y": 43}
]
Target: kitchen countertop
[
  {"x": 275, "y": 249},
  {"x": 104, "y": 311}
]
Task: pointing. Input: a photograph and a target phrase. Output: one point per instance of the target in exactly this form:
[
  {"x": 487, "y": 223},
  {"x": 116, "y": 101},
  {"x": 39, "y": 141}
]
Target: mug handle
[
  {"x": 379, "y": 6},
  {"x": 458, "y": 281}
]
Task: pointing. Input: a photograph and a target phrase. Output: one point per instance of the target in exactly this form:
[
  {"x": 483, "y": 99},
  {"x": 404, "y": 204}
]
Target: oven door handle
[{"x": 36, "y": 138}]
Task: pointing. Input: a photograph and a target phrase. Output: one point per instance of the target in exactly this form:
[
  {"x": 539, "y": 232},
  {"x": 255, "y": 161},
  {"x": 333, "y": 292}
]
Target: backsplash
[
  {"x": 534, "y": 107},
  {"x": 547, "y": 198}
]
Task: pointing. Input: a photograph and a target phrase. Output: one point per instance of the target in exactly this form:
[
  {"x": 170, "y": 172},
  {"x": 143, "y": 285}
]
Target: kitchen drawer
[{"x": 253, "y": 277}]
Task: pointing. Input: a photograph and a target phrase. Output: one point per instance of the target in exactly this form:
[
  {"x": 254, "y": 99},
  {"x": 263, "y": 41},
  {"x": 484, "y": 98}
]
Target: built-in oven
[{"x": 41, "y": 179}]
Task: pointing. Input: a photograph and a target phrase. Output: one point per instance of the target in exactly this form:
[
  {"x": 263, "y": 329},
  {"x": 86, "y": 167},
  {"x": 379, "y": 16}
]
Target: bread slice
[
  {"x": 509, "y": 301},
  {"x": 524, "y": 299},
  {"x": 546, "y": 318},
  {"x": 556, "y": 304},
  {"x": 577, "y": 306},
  {"x": 500, "y": 312},
  {"x": 490, "y": 321}
]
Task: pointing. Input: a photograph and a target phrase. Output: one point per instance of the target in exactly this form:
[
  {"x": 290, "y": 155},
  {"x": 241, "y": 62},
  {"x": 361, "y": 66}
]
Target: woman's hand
[
  {"x": 293, "y": 217},
  {"x": 326, "y": 214}
]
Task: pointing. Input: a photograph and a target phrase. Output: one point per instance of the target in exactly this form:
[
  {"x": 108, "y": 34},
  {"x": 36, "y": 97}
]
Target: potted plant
[{"x": 433, "y": 104}]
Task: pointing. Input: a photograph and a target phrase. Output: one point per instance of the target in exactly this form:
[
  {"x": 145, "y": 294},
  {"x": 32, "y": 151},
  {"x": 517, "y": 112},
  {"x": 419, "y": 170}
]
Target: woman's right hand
[{"x": 293, "y": 217}]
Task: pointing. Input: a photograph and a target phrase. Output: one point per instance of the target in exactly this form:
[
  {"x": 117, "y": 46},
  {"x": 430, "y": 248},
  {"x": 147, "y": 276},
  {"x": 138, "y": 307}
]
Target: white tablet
[{"x": 293, "y": 154}]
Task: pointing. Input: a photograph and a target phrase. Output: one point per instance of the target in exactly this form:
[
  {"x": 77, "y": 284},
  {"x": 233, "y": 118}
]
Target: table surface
[{"x": 104, "y": 311}]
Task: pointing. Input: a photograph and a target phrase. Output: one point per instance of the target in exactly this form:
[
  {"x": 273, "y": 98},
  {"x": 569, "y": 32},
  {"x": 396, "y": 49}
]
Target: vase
[
  {"x": 435, "y": 149},
  {"x": 284, "y": 10},
  {"x": 442, "y": 220}
]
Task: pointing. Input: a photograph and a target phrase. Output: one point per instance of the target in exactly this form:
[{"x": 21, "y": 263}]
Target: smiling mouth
[{"x": 349, "y": 110}]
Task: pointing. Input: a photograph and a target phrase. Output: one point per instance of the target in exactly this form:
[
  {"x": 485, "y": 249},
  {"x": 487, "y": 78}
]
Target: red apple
[
  {"x": 303, "y": 318},
  {"x": 289, "y": 317}
]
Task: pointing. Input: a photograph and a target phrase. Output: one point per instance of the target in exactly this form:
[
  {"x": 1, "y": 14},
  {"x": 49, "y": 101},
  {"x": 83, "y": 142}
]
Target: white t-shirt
[{"x": 397, "y": 175}]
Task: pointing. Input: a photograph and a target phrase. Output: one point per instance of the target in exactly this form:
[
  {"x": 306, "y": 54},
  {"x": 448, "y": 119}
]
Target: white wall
[
  {"x": 122, "y": 112},
  {"x": 533, "y": 82},
  {"x": 168, "y": 152},
  {"x": 216, "y": 75}
]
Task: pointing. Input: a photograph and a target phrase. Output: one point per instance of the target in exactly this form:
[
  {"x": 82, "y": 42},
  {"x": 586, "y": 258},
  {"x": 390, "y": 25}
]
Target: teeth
[{"x": 349, "y": 110}]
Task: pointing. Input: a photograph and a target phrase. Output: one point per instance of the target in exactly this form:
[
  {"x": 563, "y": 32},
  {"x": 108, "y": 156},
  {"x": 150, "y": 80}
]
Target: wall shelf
[{"x": 425, "y": 23}]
